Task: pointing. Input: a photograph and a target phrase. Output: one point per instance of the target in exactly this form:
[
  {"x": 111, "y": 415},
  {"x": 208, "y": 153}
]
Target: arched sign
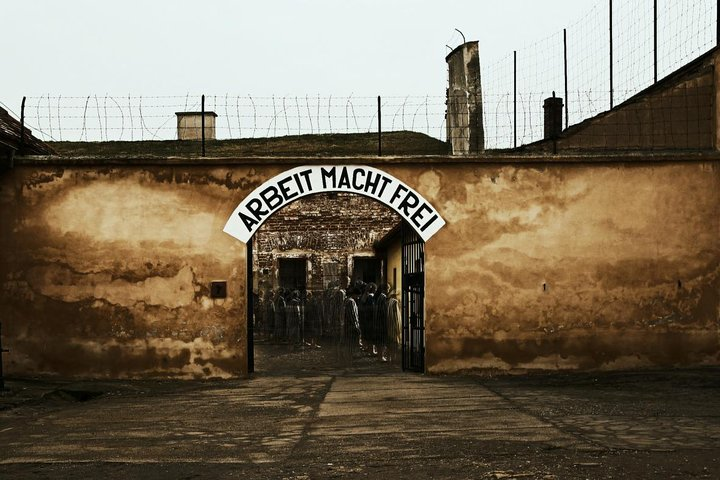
[{"x": 303, "y": 181}]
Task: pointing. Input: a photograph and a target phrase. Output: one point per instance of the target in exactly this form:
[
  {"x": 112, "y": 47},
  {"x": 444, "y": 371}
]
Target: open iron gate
[{"x": 413, "y": 300}]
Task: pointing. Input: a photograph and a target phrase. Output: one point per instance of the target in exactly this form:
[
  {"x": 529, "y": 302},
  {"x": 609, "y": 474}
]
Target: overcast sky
[
  {"x": 281, "y": 47},
  {"x": 118, "y": 70}
]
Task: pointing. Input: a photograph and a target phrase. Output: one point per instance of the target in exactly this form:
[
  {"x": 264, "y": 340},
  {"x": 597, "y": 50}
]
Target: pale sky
[
  {"x": 282, "y": 67},
  {"x": 369, "y": 47}
]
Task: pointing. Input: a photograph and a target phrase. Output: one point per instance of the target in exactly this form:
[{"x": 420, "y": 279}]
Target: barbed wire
[{"x": 686, "y": 29}]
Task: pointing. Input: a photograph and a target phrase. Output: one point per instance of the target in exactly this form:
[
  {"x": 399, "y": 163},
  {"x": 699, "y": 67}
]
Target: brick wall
[{"x": 327, "y": 229}]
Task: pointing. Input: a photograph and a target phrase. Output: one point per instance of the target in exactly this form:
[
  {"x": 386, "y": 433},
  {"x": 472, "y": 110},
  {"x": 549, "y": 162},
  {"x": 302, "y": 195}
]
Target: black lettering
[
  {"x": 371, "y": 182},
  {"x": 418, "y": 215},
  {"x": 272, "y": 197},
  {"x": 306, "y": 175},
  {"x": 297, "y": 182},
  {"x": 410, "y": 201},
  {"x": 355, "y": 178},
  {"x": 432, "y": 219},
  {"x": 396, "y": 195},
  {"x": 285, "y": 190},
  {"x": 248, "y": 221},
  {"x": 385, "y": 184},
  {"x": 344, "y": 180},
  {"x": 254, "y": 206},
  {"x": 325, "y": 174}
]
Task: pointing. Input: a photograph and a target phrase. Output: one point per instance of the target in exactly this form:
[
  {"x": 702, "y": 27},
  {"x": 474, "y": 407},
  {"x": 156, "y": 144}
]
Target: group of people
[{"x": 353, "y": 317}]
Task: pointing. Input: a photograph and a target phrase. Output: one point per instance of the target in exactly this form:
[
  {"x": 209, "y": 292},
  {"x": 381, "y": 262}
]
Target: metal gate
[{"x": 413, "y": 300}]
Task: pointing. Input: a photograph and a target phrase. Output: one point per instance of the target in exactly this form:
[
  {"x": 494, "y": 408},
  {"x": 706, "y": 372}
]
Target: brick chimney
[
  {"x": 553, "y": 107},
  {"x": 189, "y": 125}
]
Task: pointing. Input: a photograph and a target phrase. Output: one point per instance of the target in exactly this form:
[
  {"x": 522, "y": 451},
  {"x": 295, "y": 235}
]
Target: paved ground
[{"x": 369, "y": 421}]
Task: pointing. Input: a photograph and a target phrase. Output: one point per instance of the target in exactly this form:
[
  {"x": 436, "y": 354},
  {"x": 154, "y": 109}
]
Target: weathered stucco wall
[
  {"x": 105, "y": 271},
  {"x": 628, "y": 255}
]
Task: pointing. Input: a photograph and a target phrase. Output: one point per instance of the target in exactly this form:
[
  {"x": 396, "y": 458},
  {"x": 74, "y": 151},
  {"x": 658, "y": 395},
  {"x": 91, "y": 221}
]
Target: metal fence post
[
  {"x": 655, "y": 39},
  {"x": 565, "y": 65},
  {"x": 515, "y": 98},
  {"x": 250, "y": 310},
  {"x": 202, "y": 124},
  {"x": 2, "y": 350},
  {"x": 22, "y": 126},
  {"x": 379, "y": 114},
  {"x": 611, "y": 55}
]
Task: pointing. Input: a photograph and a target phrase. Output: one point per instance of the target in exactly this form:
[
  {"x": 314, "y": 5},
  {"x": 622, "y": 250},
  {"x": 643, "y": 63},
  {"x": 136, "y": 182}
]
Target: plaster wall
[
  {"x": 106, "y": 271},
  {"x": 573, "y": 266}
]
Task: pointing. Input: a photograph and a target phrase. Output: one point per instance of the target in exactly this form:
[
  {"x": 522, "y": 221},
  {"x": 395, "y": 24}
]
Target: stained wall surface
[
  {"x": 574, "y": 266},
  {"x": 106, "y": 271}
]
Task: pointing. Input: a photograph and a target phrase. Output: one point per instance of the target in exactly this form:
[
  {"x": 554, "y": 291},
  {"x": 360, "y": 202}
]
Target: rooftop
[
  {"x": 10, "y": 137},
  {"x": 323, "y": 145}
]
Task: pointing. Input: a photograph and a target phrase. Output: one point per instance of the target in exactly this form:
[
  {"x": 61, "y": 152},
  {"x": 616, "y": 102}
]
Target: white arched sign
[{"x": 302, "y": 181}]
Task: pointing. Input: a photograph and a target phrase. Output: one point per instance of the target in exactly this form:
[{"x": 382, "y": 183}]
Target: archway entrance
[
  {"x": 344, "y": 273},
  {"x": 318, "y": 305}
]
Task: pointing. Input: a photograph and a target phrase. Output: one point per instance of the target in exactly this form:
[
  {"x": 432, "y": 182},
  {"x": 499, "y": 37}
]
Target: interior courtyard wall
[{"x": 327, "y": 229}]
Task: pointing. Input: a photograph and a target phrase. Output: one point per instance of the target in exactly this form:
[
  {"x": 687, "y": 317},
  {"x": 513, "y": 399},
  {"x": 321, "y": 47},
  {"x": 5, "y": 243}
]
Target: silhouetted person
[
  {"x": 313, "y": 319},
  {"x": 367, "y": 326},
  {"x": 280, "y": 325},
  {"x": 350, "y": 326},
  {"x": 294, "y": 318},
  {"x": 380, "y": 320},
  {"x": 394, "y": 328},
  {"x": 268, "y": 309}
]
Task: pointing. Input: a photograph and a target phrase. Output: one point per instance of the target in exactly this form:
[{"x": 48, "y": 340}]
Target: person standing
[
  {"x": 313, "y": 319},
  {"x": 268, "y": 308},
  {"x": 293, "y": 318},
  {"x": 280, "y": 325},
  {"x": 350, "y": 326},
  {"x": 394, "y": 329},
  {"x": 337, "y": 315},
  {"x": 380, "y": 321},
  {"x": 367, "y": 325}
]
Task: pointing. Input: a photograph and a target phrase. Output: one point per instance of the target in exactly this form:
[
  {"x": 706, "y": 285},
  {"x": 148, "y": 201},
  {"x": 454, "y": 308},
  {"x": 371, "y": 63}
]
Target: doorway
[
  {"x": 367, "y": 270},
  {"x": 315, "y": 281},
  {"x": 292, "y": 273}
]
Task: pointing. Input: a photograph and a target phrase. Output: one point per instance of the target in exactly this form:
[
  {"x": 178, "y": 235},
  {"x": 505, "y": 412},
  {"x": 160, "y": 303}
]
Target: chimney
[
  {"x": 464, "y": 121},
  {"x": 553, "y": 107},
  {"x": 189, "y": 125}
]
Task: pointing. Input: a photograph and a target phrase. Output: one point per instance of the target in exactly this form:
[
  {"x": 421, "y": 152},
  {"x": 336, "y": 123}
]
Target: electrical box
[{"x": 218, "y": 289}]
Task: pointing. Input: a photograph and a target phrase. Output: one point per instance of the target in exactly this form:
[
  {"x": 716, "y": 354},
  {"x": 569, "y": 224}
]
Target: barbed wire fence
[
  {"x": 590, "y": 68},
  {"x": 616, "y": 49},
  {"x": 131, "y": 118}
]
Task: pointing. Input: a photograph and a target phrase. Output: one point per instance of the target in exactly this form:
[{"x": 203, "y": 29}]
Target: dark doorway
[
  {"x": 367, "y": 269},
  {"x": 292, "y": 273}
]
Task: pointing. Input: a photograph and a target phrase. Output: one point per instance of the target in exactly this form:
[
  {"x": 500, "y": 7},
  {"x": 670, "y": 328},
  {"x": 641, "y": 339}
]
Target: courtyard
[{"x": 302, "y": 416}]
